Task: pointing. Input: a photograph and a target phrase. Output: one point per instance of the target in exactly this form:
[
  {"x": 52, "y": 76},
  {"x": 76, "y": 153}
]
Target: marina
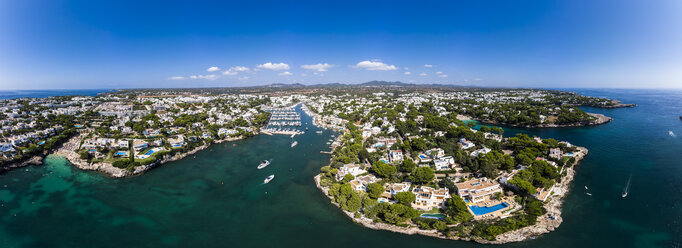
[{"x": 283, "y": 121}]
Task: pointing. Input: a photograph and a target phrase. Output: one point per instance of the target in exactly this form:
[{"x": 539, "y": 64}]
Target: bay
[{"x": 217, "y": 198}]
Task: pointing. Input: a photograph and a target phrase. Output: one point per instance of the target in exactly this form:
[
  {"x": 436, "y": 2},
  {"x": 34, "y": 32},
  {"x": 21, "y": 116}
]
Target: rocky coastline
[
  {"x": 546, "y": 223},
  {"x": 67, "y": 151},
  {"x": 599, "y": 119},
  {"x": 619, "y": 104},
  {"x": 35, "y": 160}
]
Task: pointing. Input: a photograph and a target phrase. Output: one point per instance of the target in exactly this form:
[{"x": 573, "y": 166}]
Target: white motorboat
[
  {"x": 294, "y": 143},
  {"x": 268, "y": 179},
  {"x": 627, "y": 188},
  {"x": 263, "y": 164}
]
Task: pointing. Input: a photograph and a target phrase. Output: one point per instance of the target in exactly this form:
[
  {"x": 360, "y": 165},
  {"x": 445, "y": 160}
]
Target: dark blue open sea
[
  {"x": 217, "y": 199},
  {"x": 13, "y": 94}
]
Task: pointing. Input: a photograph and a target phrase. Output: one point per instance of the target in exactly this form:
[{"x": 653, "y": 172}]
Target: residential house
[
  {"x": 6, "y": 147},
  {"x": 349, "y": 169},
  {"x": 395, "y": 156},
  {"x": 394, "y": 188},
  {"x": 483, "y": 150},
  {"x": 177, "y": 141},
  {"x": 428, "y": 198},
  {"x": 542, "y": 193},
  {"x": 477, "y": 190},
  {"x": 360, "y": 183},
  {"x": 555, "y": 153},
  {"x": 139, "y": 144},
  {"x": 465, "y": 144}
]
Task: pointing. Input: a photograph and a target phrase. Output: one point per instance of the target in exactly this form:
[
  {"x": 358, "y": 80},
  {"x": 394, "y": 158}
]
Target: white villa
[
  {"x": 349, "y": 169},
  {"x": 478, "y": 190},
  {"x": 466, "y": 144},
  {"x": 555, "y": 153},
  {"x": 395, "y": 156},
  {"x": 360, "y": 183},
  {"x": 394, "y": 188},
  {"x": 444, "y": 163},
  {"x": 483, "y": 150},
  {"x": 428, "y": 198}
]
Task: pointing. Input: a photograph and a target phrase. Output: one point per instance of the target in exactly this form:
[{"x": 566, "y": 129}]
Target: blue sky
[{"x": 129, "y": 44}]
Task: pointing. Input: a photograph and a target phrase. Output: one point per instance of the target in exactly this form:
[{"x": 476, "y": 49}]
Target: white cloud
[
  {"x": 274, "y": 67},
  {"x": 239, "y": 68},
  {"x": 439, "y": 72},
  {"x": 423, "y": 74},
  {"x": 375, "y": 66},
  {"x": 478, "y": 79},
  {"x": 317, "y": 67},
  {"x": 429, "y": 66},
  {"x": 176, "y": 78},
  {"x": 443, "y": 76},
  {"x": 212, "y": 69},
  {"x": 408, "y": 73},
  {"x": 235, "y": 70},
  {"x": 207, "y": 77},
  {"x": 286, "y": 73},
  {"x": 304, "y": 75},
  {"x": 244, "y": 78}
]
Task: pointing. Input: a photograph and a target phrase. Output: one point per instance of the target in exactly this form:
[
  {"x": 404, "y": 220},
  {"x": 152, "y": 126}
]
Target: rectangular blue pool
[
  {"x": 486, "y": 210},
  {"x": 433, "y": 216}
]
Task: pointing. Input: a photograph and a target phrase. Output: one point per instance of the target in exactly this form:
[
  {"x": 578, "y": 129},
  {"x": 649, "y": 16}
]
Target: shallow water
[{"x": 218, "y": 200}]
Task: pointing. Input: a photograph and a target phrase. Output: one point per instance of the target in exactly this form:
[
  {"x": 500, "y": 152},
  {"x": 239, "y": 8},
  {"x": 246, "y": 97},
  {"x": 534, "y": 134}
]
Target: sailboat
[{"x": 627, "y": 187}]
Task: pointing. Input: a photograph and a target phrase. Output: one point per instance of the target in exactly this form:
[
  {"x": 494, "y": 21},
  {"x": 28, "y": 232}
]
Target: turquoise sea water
[{"x": 217, "y": 199}]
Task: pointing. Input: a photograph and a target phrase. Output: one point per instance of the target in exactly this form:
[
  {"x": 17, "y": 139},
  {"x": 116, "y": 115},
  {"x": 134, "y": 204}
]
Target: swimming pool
[
  {"x": 422, "y": 156},
  {"x": 150, "y": 152},
  {"x": 486, "y": 210},
  {"x": 433, "y": 216},
  {"x": 121, "y": 153}
]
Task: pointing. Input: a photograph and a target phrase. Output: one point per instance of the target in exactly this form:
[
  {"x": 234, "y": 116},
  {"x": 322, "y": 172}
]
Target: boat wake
[{"x": 626, "y": 190}]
